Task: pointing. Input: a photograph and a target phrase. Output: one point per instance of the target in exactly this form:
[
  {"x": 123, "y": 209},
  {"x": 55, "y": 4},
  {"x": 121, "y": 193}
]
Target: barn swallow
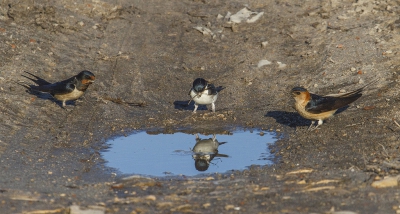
[
  {"x": 319, "y": 108},
  {"x": 203, "y": 93},
  {"x": 66, "y": 90}
]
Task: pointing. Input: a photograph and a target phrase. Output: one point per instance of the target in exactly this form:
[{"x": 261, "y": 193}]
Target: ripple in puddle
[{"x": 187, "y": 154}]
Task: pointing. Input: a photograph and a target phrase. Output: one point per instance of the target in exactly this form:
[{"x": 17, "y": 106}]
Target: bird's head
[
  {"x": 300, "y": 94},
  {"x": 86, "y": 77},
  {"x": 199, "y": 84},
  {"x": 201, "y": 165}
]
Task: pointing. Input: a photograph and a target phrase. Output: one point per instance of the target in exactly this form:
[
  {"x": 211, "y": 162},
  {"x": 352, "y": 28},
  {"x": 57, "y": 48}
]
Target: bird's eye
[{"x": 297, "y": 92}]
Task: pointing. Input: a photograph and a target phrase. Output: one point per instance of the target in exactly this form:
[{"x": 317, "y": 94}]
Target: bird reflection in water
[{"x": 205, "y": 151}]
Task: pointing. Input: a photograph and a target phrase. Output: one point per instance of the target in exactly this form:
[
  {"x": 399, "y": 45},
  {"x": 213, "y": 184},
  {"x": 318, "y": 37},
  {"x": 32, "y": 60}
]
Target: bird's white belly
[
  {"x": 208, "y": 146},
  {"x": 75, "y": 94},
  {"x": 203, "y": 98}
]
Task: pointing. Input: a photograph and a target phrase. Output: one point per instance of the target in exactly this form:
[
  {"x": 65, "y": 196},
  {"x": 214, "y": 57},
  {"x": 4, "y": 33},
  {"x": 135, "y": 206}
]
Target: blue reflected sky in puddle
[{"x": 173, "y": 154}]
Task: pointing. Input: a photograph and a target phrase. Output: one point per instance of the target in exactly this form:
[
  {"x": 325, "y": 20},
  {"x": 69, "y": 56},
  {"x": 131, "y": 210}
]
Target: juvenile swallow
[
  {"x": 203, "y": 93},
  {"x": 66, "y": 90},
  {"x": 319, "y": 108}
]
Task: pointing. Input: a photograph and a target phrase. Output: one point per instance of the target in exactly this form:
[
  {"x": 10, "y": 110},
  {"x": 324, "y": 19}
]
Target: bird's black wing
[
  {"x": 219, "y": 88},
  {"x": 37, "y": 79},
  {"x": 55, "y": 88},
  {"x": 319, "y": 104},
  {"x": 211, "y": 89},
  {"x": 71, "y": 80}
]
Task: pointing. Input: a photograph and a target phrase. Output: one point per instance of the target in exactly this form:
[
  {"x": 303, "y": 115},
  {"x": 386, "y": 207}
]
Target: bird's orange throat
[
  {"x": 306, "y": 97},
  {"x": 87, "y": 82}
]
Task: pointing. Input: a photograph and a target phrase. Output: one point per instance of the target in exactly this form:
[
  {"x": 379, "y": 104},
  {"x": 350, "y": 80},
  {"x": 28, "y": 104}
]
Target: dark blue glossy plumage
[
  {"x": 200, "y": 84},
  {"x": 55, "y": 88},
  {"x": 69, "y": 89},
  {"x": 66, "y": 86},
  {"x": 319, "y": 104},
  {"x": 301, "y": 89}
]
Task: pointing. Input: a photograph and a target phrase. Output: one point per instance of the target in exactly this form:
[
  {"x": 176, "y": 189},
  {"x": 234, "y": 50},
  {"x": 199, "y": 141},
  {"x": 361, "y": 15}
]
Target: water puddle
[{"x": 187, "y": 154}]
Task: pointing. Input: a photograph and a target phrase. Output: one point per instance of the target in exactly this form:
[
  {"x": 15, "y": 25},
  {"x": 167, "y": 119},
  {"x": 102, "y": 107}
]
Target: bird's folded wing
[
  {"x": 211, "y": 89},
  {"x": 55, "y": 88},
  {"x": 319, "y": 104}
]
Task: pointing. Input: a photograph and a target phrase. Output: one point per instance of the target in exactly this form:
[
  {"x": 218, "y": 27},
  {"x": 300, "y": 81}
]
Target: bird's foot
[
  {"x": 68, "y": 108},
  {"x": 312, "y": 128}
]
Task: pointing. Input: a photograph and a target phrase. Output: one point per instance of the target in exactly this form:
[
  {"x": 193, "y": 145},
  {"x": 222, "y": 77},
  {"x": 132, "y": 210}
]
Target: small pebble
[
  {"x": 391, "y": 181},
  {"x": 264, "y": 44},
  {"x": 151, "y": 198},
  {"x": 206, "y": 205},
  {"x": 281, "y": 65},
  {"x": 263, "y": 62},
  {"x": 229, "y": 207}
]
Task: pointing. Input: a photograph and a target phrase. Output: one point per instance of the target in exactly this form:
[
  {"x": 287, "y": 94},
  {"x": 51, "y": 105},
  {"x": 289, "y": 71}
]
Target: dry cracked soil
[{"x": 145, "y": 55}]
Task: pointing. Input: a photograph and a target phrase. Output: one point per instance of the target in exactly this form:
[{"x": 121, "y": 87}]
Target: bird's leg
[
  {"x": 319, "y": 123},
  {"x": 213, "y": 107},
  {"x": 310, "y": 127},
  {"x": 64, "y": 106},
  {"x": 195, "y": 107},
  {"x": 81, "y": 100}
]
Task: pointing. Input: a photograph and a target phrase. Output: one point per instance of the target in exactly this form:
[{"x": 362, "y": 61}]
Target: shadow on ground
[
  {"x": 293, "y": 119},
  {"x": 185, "y": 105}
]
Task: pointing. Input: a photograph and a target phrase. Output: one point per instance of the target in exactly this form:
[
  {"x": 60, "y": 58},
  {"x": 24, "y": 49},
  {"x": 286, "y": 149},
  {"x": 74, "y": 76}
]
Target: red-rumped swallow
[
  {"x": 319, "y": 108},
  {"x": 203, "y": 93},
  {"x": 66, "y": 90}
]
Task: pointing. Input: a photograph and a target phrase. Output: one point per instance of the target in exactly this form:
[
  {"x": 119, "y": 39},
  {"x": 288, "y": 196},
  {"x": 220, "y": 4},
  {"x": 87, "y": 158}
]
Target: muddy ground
[{"x": 149, "y": 52}]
